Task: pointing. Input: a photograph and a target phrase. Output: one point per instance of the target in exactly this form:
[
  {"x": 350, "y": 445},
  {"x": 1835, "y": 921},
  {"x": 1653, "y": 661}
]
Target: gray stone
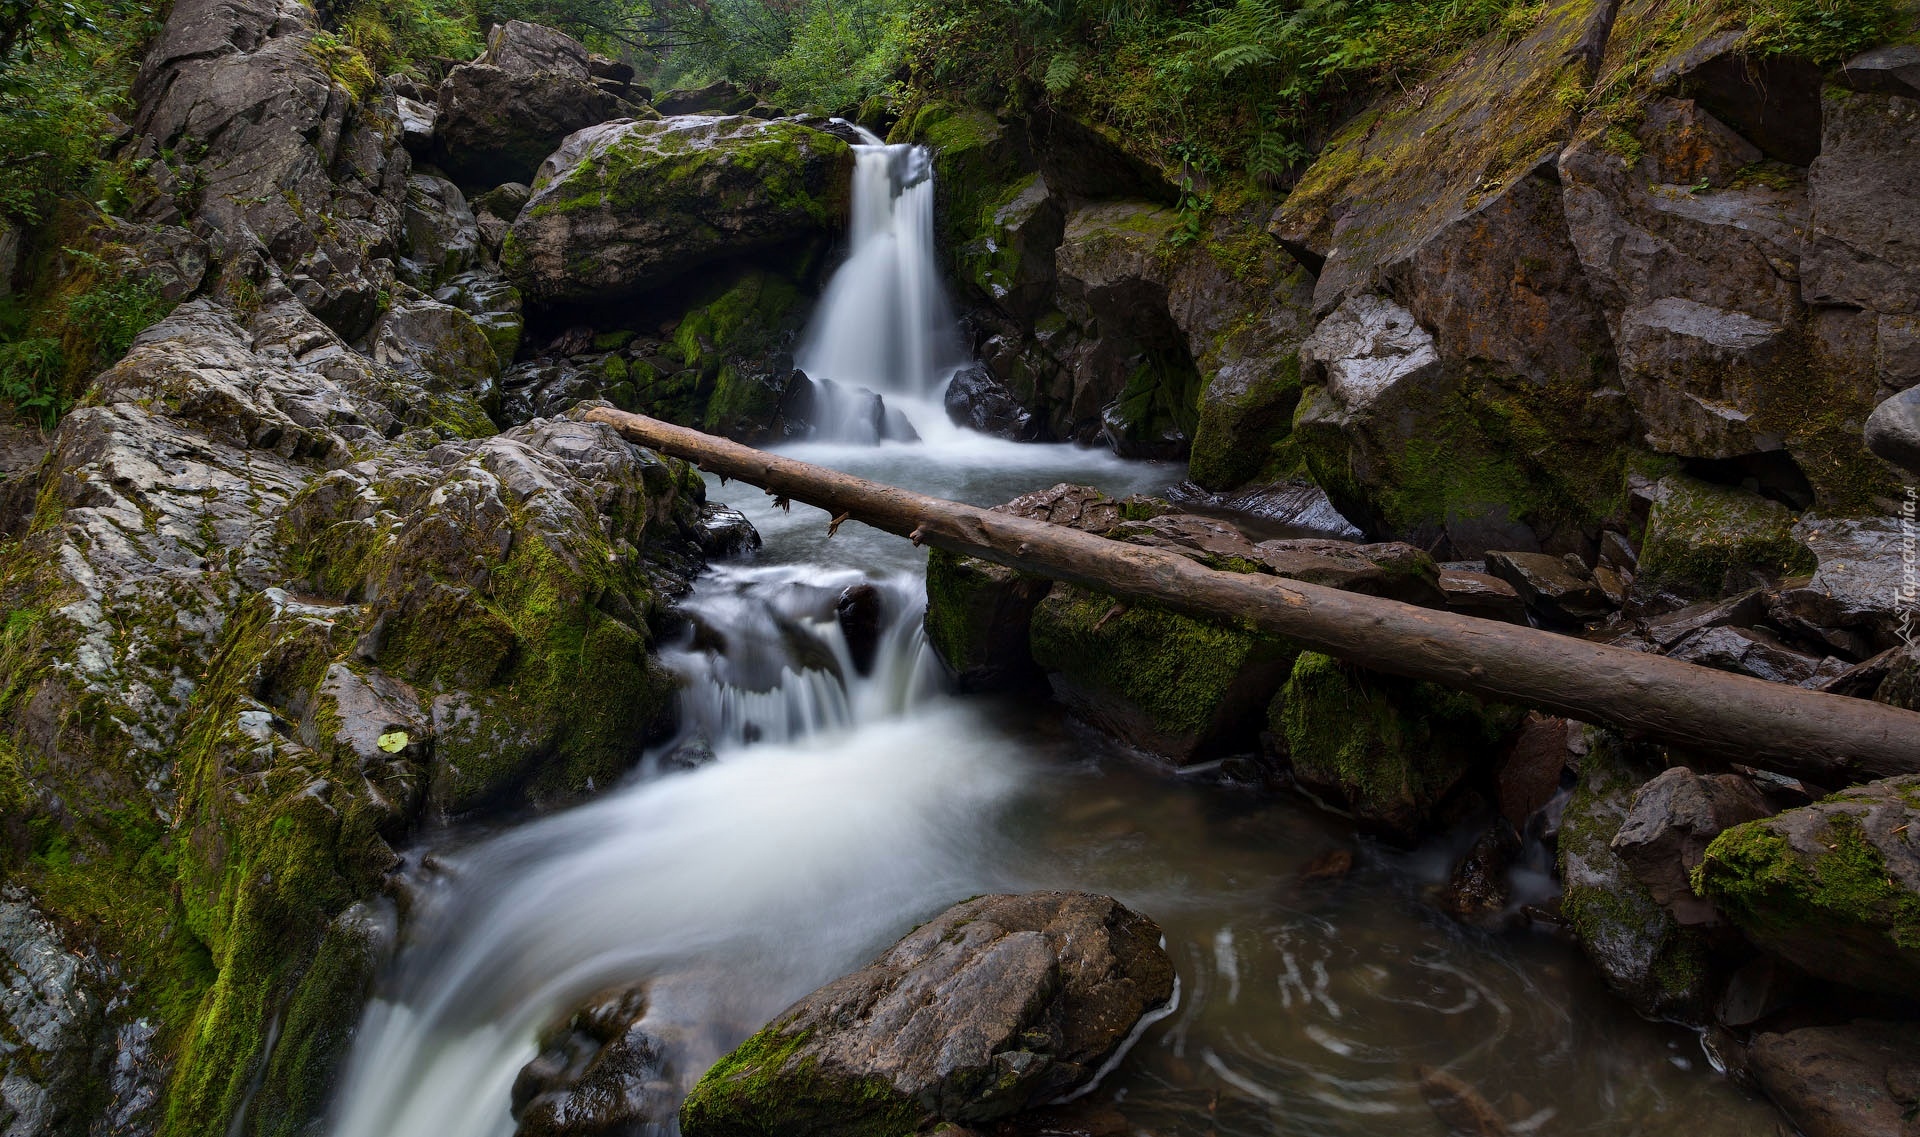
[
  {"x": 998, "y": 1004},
  {"x": 441, "y": 239},
  {"x": 1746, "y": 651},
  {"x": 1865, "y": 193},
  {"x": 1893, "y": 430},
  {"x": 1666, "y": 832},
  {"x": 520, "y": 48},
  {"x": 1550, "y": 587},
  {"x": 1860, "y": 591},
  {"x": 1482, "y": 595}
]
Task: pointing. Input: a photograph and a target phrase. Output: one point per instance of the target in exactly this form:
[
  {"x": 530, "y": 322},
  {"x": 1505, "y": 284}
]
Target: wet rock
[
  {"x": 1829, "y": 887},
  {"x": 1641, "y": 950},
  {"x": 51, "y": 1007},
  {"x": 725, "y": 532},
  {"x": 1893, "y": 430},
  {"x": 1159, "y": 681},
  {"x": 1857, "y": 1080},
  {"x": 630, "y": 206},
  {"x": 441, "y": 346},
  {"x": 1080, "y": 507},
  {"x": 1477, "y": 890},
  {"x": 1387, "y": 749},
  {"x": 1743, "y": 610},
  {"x": 978, "y": 400},
  {"x": 1759, "y": 988},
  {"x": 998, "y": 1004},
  {"x": 1012, "y": 262},
  {"x": 502, "y": 114},
  {"x": 1478, "y": 594},
  {"x": 1551, "y": 587},
  {"x": 495, "y": 307},
  {"x": 1864, "y": 204},
  {"x": 1666, "y": 832},
  {"x": 1297, "y": 506},
  {"x": 978, "y": 616},
  {"x": 1892, "y": 677},
  {"x": 295, "y": 173},
  {"x": 1209, "y": 541},
  {"x": 1390, "y": 569},
  {"x": 417, "y": 122},
  {"x": 599, "y": 1073},
  {"x": 1854, "y": 601},
  {"x": 1706, "y": 540},
  {"x": 1747, "y": 651},
  {"x": 860, "y": 612},
  {"x": 1891, "y": 70},
  {"x": 504, "y": 201}
]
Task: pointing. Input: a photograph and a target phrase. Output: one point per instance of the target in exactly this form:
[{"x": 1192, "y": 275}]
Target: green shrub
[{"x": 1825, "y": 31}]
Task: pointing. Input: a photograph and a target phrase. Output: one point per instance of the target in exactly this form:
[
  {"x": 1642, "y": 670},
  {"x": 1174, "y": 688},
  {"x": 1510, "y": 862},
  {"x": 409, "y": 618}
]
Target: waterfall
[{"x": 883, "y": 325}]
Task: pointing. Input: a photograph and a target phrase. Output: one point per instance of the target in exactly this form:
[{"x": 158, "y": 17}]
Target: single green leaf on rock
[{"x": 394, "y": 741}]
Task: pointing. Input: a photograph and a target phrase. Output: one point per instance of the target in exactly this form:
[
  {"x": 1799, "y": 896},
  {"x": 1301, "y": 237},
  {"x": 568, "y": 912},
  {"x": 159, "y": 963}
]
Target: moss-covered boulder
[
  {"x": 995, "y": 1005},
  {"x": 978, "y": 614},
  {"x": 1645, "y": 955},
  {"x": 1167, "y": 683},
  {"x": 627, "y": 207},
  {"x": 1833, "y": 887},
  {"x": 1386, "y": 749},
  {"x": 1707, "y": 540},
  {"x": 502, "y": 114}
]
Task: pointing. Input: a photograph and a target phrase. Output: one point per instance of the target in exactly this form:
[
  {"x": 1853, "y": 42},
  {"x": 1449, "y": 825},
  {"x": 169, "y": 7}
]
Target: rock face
[
  {"x": 501, "y": 115},
  {"x": 1857, "y": 1080},
  {"x": 600, "y": 1072},
  {"x": 627, "y": 207},
  {"x": 1830, "y": 887},
  {"x": 998, "y": 1004}
]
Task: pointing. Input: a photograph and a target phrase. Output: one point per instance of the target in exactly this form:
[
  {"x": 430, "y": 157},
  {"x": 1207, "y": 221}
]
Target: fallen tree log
[{"x": 1830, "y": 740}]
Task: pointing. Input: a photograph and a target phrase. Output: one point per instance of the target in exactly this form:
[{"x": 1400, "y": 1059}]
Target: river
[{"x": 840, "y": 809}]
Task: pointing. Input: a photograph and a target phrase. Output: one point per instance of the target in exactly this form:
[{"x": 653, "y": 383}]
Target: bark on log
[{"x": 1828, "y": 739}]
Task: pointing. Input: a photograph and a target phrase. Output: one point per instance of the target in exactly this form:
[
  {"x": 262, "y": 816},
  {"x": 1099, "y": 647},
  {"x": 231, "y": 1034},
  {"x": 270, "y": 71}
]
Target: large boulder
[
  {"x": 501, "y": 115},
  {"x": 628, "y": 206},
  {"x": 1860, "y": 598},
  {"x": 978, "y": 615},
  {"x": 1707, "y": 540},
  {"x": 1833, "y": 887},
  {"x": 996, "y": 1005}
]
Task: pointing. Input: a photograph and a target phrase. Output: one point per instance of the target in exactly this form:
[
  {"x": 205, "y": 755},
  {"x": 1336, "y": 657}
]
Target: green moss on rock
[
  {"x": 1388, "y": 749},
  {"x": 1169, "y": 683},
  {"x": 978, "y": 614},
  {"x": 1709, "y": 540},
  {"x": 1831, "y": 886},
  {"x": 765, "y": 1088}
]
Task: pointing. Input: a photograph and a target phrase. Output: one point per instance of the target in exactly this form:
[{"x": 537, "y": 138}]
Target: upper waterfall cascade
[{"x": 884, "y": 322}]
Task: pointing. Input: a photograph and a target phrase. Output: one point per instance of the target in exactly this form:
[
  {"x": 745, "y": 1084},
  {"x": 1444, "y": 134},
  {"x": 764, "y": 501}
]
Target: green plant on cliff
[{"x": 1825, "y": 31}]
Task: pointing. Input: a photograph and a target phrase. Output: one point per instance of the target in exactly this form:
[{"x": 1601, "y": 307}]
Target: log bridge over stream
[{"x": 1830, "y": 740}]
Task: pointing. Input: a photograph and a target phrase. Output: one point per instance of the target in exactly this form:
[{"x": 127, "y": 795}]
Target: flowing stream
[{"x": 839, "y": 809}]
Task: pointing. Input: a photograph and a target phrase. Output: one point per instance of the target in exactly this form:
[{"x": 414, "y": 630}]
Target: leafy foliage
[{"x": 1825, "y": 31}]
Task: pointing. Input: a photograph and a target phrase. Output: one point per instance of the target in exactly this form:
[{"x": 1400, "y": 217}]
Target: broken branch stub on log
[{"x": 1828, "y": 739}]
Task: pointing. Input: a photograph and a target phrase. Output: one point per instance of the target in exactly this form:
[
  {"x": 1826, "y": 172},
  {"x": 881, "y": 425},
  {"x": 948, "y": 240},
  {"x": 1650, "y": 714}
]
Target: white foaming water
[{"x": 884, "y": 323}]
